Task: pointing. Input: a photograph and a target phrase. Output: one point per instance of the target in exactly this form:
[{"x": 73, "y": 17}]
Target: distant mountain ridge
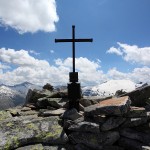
[{"x": 11, "y": 96}]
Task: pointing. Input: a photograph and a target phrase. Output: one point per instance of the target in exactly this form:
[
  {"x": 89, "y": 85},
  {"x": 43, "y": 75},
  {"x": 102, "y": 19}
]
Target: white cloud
[
  {"x": 28, "y": 68},
  {"x": 114, "y": 50},
  {"x": 29, "y": 15},
  {"x": 115, "y": 74},
  {"x": 89, "y": 71},
  {"x": 20, "y": 58},
  {"x": 34, "y": 52},
  {"x": 137, "y": 75},
  {"x": 132, "y": 53}
]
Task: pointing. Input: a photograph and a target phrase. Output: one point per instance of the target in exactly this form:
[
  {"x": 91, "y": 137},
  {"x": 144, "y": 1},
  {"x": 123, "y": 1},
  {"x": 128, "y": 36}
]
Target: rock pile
[{"x": 44, "y": 123}]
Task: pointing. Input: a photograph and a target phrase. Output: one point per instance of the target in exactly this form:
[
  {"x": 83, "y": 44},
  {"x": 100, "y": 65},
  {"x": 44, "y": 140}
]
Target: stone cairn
[{"x": 45, "y": 123}]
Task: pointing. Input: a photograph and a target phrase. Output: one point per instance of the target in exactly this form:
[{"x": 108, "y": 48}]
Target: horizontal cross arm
[{"x": 73, "y": 40}]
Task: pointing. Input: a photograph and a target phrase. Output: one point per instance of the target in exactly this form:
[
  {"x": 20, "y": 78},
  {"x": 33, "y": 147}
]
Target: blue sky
[{"x": 120, "y": 50}]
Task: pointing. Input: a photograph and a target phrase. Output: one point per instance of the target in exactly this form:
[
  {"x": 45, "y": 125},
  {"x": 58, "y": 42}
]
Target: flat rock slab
[
  {"x": 94, "y": 140},
  {"x": 17, "y": 133},
  {"x": 85, "y": 127},
  {"x": 116, "y": 106}
]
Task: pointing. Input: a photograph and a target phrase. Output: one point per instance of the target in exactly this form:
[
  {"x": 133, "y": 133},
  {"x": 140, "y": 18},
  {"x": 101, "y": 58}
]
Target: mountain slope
[
  {"x": 109, "y": 88},
  {"x": 11, "y": 96}
]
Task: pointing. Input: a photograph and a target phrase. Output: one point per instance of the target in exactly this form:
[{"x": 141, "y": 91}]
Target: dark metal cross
[
  {"x": 74, "y": 88},
  {"x": 73, "y": 40}
]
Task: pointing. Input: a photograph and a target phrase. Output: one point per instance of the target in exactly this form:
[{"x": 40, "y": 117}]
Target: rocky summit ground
[{"x": 45, "y": 123}]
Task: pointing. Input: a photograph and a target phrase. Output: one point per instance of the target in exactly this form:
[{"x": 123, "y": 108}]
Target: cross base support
[
  {"x": 73, "y": 76},
  {"x": 74, "y": 94}
]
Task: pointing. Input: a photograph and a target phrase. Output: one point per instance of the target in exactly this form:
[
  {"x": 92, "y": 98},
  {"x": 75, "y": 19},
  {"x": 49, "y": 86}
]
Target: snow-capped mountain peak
[{"x": 109, "y": 88}]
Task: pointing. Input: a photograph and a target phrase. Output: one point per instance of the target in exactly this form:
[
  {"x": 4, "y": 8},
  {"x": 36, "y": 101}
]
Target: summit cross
[{"x": 74, "y": 88}]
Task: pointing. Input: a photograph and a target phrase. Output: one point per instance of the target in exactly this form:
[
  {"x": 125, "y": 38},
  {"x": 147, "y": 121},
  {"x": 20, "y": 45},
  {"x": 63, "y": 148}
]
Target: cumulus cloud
[
  {"x": 136, "y": 75},
  {"x": 25, "y": 67},
  {"x": 132, "y": 53},
  {"x": 29, "y": 15},
  {"x": 28, "y": 68},
  {"x": 20, "y": 58},
  {"x": 115, "y": 74},
  {"x": 89, "y": 71}
]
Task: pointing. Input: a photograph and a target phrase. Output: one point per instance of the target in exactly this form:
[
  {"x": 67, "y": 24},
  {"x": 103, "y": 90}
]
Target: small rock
[
  {"x": 56, "y": 112},
  {"x": 25, "y": 109},
  {"x": 71, "y": 114},
  {"x": 112, "y": 123},
  {"x": 115, "y": 106},
  {"x": 31, "y": 105},
  {"x": 85, "y": 102},
  {"x": 85, "y": 127},
  {"x": 48, "y": 87},
  {"x": 53, "y": 102}
]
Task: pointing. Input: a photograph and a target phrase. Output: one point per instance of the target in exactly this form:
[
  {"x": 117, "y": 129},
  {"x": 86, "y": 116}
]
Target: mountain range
[{"x": 11, "y": 96}]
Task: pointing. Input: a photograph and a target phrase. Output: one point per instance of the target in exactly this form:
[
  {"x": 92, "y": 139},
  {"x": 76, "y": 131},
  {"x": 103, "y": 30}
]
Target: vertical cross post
[
  {"x": 73, "y": 47},
  {"x": 74, "y": 88}
]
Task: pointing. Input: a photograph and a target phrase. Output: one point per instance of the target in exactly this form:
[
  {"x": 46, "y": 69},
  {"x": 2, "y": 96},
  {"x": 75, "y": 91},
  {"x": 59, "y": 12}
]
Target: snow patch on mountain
[{"x": 109, "y": 88}]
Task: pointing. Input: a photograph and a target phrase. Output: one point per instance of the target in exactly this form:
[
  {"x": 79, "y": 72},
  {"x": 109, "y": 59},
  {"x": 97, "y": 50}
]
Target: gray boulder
[
  {"x": 71, "y": 114},
  {"x": 112, "y": 123},
  {"x": 34, "y": 95},
  {"x": 139, "y": 96},
  {"x": 16, "y": 133}
]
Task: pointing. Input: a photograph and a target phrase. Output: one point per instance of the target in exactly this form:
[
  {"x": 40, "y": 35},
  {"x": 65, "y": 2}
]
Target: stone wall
[{"x": 44, "y": 123}]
